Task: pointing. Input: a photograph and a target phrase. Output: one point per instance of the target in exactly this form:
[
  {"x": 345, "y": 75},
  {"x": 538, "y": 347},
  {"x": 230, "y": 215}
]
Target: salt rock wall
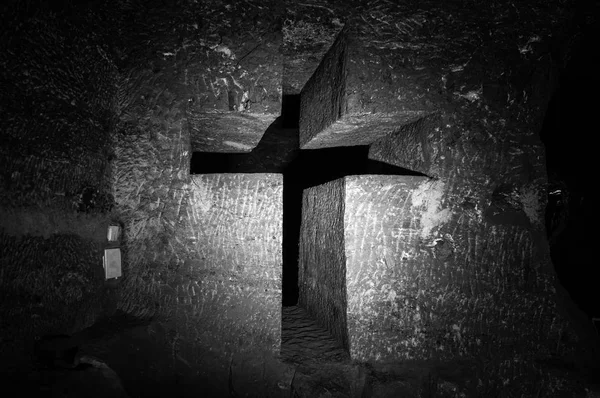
[
  {"x": 322, "y": 258},
  {"x": 413, "y": 281},
  {"x": 494, "y": 186},
  {"x": 57, "y": 105},
  {"x": 232, "y": 290},
  {"x": 149, "y": 182},
  {"x": 350, "y": 101},
  {"x": 187, "y": 55},
  {"x": 56, "y": 99},
  {"x": 184, "y": 86},
  {"x": 204, "y": 250},
  {"x": 384, "y": 263}
]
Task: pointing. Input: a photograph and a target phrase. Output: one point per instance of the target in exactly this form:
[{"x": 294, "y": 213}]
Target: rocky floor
[
  {"x": 304, "y": 341},
  {"x": 126, "y": 357}
]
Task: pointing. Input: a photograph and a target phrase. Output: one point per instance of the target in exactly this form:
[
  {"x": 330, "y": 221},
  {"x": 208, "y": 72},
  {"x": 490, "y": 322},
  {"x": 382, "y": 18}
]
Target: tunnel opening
[
  {"x": 568, "y": 162},
  {"x": 290, "y": 111}
]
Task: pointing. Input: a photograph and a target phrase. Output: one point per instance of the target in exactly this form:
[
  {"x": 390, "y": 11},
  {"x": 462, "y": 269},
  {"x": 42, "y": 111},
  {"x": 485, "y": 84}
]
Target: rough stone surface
[
  {"x": 202, "y": 244},
  {"x": 357, "y": 95},
  {"x": 234, "y": 285},
  {"x": 322, "y": 258},
  {"x": 231, "y": 108},
  {"x": 187, "y": 59},
  {"x": 57, "y": 104},
  {"x": 409, "y": 147},
  {"x": 499, "y": 194},
  {"x": 307, "y": 37},
  {"x": 97, "y": 115},
  {"x": 416, "y": 288},
  {"x": 228, "y": 132},
  {"x": 383, "y": 224}
]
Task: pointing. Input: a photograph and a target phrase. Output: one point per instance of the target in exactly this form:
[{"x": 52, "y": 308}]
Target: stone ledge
[{"x": 358, "y": 95}]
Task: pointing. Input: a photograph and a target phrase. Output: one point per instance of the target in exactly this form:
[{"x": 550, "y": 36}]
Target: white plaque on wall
[
  {"x": 112, "y": 263},
  {"x": 113, "y": 233}
]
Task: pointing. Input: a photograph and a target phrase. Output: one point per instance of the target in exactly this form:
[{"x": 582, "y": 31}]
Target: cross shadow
[
  {"x": 278, "y": 151},
  {"x": 275, "y": 150}
]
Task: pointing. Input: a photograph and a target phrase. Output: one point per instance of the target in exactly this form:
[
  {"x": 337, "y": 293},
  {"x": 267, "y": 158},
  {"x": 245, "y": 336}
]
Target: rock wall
[
  {"x": 476, "y": 133},
  {"x": 58, "y": 106},
  {"x": 190, "y": 83},
  {"x": 218, "y": 61},
  {"x": 203, "y": 251},
  {"x": 185, "y": 75},
  {"x": 356, "y": 96},
  {"x": 149, "y": 181},
  {"x": 426, "y": 278},
  {"x": 58, "y": 115},
  {"x": 322, "y": 258},
  {"x": 385, "y": 263},
  {"x": 494, "y": 186},
  {"x": 233, "y": 289}
]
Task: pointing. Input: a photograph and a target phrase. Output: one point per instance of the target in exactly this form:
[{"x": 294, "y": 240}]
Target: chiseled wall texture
[
  {"x": 57, "y": 101},
  {"x": 322, "y": 261},
  {"x": 232, "y": 288},
  {"x": 384, "y": 263},
  {"x": 491, "y": 283},
  {"x": 58, "y": 109},
  {"x": 424, "y": 275},
  {"x": 429, "y": 279},
  {"x": 203, "y": 250}
]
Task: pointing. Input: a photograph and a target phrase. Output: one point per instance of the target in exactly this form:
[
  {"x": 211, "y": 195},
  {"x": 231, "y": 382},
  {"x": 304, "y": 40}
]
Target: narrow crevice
[
  {"x": 568, "y": 207},
  {"x": 292, "y": 214},
  {"x": 290, "y": 111}
]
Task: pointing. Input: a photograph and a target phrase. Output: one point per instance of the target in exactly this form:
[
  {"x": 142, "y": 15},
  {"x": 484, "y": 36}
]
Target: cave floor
[
  {"x": 138, "y": 359},
  {"x": 304, "y": 341}
]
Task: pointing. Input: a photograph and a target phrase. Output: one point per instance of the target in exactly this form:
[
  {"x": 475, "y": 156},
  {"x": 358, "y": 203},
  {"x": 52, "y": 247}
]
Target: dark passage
[
  {"x": 571, "y": 165},
  {"x": 278, "y": 152}
]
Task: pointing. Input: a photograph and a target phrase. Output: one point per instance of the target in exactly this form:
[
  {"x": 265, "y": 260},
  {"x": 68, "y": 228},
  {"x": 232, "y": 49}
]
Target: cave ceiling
[{"x": 226, "y": 65}]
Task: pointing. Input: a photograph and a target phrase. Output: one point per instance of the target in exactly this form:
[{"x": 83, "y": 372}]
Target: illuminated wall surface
[
  {"x": 384, "y": 218},
  {"x": 395, "y": 271},
  {"x": 234, "y": 292}
]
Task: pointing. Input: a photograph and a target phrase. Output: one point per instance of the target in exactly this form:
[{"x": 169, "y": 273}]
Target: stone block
[
  {"x": 359, "y": 253},
  {"x": 414, "y": 146},
  {"x": 359, "y": 94},
  {"x": 322, "y": 258},
  {"x": 234, "y": 280}
]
